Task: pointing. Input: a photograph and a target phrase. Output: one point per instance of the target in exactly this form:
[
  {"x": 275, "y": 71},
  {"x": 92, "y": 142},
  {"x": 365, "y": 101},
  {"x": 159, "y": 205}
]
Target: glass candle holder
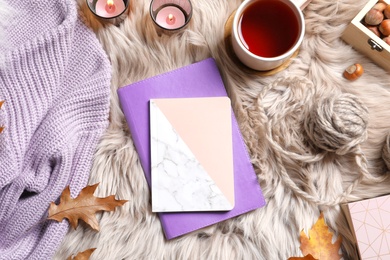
[
  {"x": 171, "y": 15},
  {"x": 108, "y": 9}
]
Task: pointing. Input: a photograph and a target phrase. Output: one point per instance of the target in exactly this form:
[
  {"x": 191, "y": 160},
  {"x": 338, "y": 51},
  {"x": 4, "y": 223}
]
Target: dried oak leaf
[
  {"x": 307, "y": 257},
  {"x": 83, "y": 207},
  {"x": 82, "y": 255},
  {"x": 319, "y": 243}
]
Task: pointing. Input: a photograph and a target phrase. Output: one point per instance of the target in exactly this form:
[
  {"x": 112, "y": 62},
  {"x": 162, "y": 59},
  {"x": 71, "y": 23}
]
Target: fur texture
[
  {"x": 136, "y": 52},
  {"x": 5, "y": 13}
]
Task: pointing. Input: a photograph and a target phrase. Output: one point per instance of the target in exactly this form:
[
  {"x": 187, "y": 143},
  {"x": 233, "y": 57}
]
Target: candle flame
[
  {"x": 110, "y": 3},
  {"x": 171, "y": 19}
]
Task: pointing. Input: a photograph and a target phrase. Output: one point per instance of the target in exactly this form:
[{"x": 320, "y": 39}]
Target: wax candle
[
  {"x": 109, "y": 8},
  {"x": 170, "y": 17}
]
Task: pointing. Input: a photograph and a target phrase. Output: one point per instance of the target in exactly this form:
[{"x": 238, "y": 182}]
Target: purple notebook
[{"x": 201, "y": 79}]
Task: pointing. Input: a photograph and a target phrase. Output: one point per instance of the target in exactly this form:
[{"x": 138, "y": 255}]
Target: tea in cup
[{"x": 266, "y": 33}]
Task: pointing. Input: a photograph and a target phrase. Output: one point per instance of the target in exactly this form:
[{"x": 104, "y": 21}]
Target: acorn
[
  {"x": 353, "y": 72},
  {"x": 374, "y": 17},
  {"x": 380, "y": 6},
  {"x": 374, "y": 29},
  {"x": 384, "y": 27},
  {"x": 386, "y": 11},
  {"x": 387, "y": 40}
]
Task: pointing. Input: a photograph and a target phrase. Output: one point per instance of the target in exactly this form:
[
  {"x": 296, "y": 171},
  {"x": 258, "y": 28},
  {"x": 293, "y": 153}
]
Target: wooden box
[{"x": 362, "y": 39}]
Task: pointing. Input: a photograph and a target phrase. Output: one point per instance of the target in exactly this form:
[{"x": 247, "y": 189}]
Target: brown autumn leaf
[
  {"x": 82, "y": 255},
  {"x": 1, "y": 127},
  {"x": 307, "y": 257},
  {"x": 83, "y": 207},
  {"x": 319, "y": 243}
]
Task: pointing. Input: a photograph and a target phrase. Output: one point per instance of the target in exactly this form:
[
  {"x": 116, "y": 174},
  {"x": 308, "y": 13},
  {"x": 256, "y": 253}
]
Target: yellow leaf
[
  {"x": 319, "y": 243},
  {"x": 307, "y": 257},
  {"x": 82, "y": 255},
  {"x": 83, "y": 207}
]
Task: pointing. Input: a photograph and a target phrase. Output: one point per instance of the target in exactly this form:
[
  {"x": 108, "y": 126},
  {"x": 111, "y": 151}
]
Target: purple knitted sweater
[{"x": 55, "y": 87}]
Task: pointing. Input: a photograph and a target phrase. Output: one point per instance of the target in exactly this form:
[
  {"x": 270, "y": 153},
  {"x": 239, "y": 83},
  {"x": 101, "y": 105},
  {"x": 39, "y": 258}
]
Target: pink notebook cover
[
  {"x": 201, "y": 79},
  {"x": 369, "y": 220},
  {"x": 191, "y": 154}
]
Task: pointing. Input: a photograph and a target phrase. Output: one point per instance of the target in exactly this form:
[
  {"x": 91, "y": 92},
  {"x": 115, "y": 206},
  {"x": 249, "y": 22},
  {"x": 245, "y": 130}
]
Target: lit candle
[
  {"x": 170, "y": 17},
  {"x": 109, "y": 8}
]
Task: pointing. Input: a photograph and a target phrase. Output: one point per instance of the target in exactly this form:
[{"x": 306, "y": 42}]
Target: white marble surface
[{"x": 179, "y": 182}]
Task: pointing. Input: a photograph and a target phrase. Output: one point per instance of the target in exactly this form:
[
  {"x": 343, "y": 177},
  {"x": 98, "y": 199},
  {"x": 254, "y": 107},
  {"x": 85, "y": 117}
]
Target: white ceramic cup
[{"x": 257, "y": 62}]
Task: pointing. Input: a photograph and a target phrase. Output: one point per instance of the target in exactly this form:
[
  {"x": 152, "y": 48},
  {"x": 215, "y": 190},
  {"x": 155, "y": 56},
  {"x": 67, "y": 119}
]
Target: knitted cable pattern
[
  {"x": 55, "y": 87},
  {"x": 335, "y": 124}
]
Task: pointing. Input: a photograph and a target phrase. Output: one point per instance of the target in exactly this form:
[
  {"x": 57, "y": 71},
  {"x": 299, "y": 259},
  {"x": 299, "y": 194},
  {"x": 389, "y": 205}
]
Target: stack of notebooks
[{"x": 191, "y": 149}]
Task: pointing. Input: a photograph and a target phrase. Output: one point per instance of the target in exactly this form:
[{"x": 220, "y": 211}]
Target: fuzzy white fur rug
[{"x": 281, "y": 102}]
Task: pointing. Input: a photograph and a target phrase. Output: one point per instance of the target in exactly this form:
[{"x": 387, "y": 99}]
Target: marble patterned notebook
[{"x": 191, "y": 154}]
